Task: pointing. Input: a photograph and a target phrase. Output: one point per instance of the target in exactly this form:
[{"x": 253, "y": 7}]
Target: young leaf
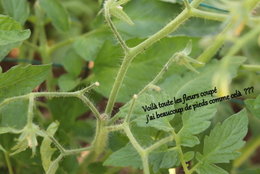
[
  {"x": 17, "y": 9},
  {"x": 57, "y": 13},
  {"x": 221, "y": 145},
  {"x": 46, "y": 150}
]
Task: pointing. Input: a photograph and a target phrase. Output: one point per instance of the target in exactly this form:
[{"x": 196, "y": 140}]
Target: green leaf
[
  {"x": 188, "y": 156},
  {"x": 221, "y": 145},
  {"x": 164, "y": 159},
  {"x": 126, "y": 156},
  {"x": 20, "y": 80},
  {"x": 66, "y": 110},
  {"x": 67, "y": 82},
  {"x": 89, "y": 46},
  {"x": 140, "y": 116},
  {"x": 13, "y": 116},
  {"x": 11, "y": 35},
  {"x": 7, "y": 23},
  {"x": 97, "y": 167},
  {"x": 72, "y": 63},
  {"x": 57, "y": 13},
  {"x": 46, "y": 150},
  {"x": 195, "y": 122},
  {"x": 17, "y": 9},
  {"x": 254, "y": 106}
]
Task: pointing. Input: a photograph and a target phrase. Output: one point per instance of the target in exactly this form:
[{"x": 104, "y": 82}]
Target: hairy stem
[
  {"x": 100, "y": 141},
  {"x": 112, "y": 26},
  {"x": 208, "y": 54},
  {"x": 145, "y": 161},
  {"x": 8, "y": 162}
]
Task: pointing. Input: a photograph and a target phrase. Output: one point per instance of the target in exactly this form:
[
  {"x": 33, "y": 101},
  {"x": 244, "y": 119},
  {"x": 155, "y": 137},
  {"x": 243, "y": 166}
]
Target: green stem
[
  {"x": 117, "y": 84},
  {"x": 168, "y": 29},
  {"x": 158, "y": 76},
  {"x": 61, "y": 44},
  {"x": 112, "y": 26},
  {"x": 208, "y": 54},
  {"x": 254, "y": 68},
  {"x": 145, "y": 161},
  {"x": 91, "y": 106},
  {"x": 159, "y": 143},
  {"x": 32, "y": 46},
  {"x": 54, "y": 163},
  {"x": 243, "y": 40},
  {"x": 30, "y": 110},
  {"x": 208, "y": 15},
  {"x": 100, "y": 140},
  {"x": 77, "y": 151},
  {"x": 35, "y": 36},
  {"x": 132, "y": 139},
  {"x": 127, "y": 119},
  {"x": 115, "y": 128},
  {"x": 8, "y": 163},
  {"x": 178, "y": 146}
]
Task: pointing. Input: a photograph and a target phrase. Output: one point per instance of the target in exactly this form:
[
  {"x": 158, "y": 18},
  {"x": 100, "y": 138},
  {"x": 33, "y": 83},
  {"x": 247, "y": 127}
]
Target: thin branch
[
  {"x": 55, "y": 142},
  {"x": 219, "y": 40},
  {"x": 159, "y": 143},
  {"x": 115, "y": 128},
  {"x": 242, "y": 41},
  {"x": 8, "y": 162},
  {"x": 159, "y": 75},
  {"x": 254, "y": 68},
  {"x": 208, "y": 15},
  {"x": 112, "y": 26},
  {"x": 77, "y": 151},
  {"x": 132, "y": 139},
  {"x": 30, "y": 110},
  {"x": 145, "y": 161},
  {"x": 91, "y": 106},
  {"x": 127, "y": 119}
]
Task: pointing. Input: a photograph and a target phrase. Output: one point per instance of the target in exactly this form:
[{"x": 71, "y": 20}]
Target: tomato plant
[{"x": 129, "y": 86}]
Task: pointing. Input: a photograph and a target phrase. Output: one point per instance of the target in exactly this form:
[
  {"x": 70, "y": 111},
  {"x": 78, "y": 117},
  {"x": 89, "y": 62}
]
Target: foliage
[{"x": 82, "y": 110}]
